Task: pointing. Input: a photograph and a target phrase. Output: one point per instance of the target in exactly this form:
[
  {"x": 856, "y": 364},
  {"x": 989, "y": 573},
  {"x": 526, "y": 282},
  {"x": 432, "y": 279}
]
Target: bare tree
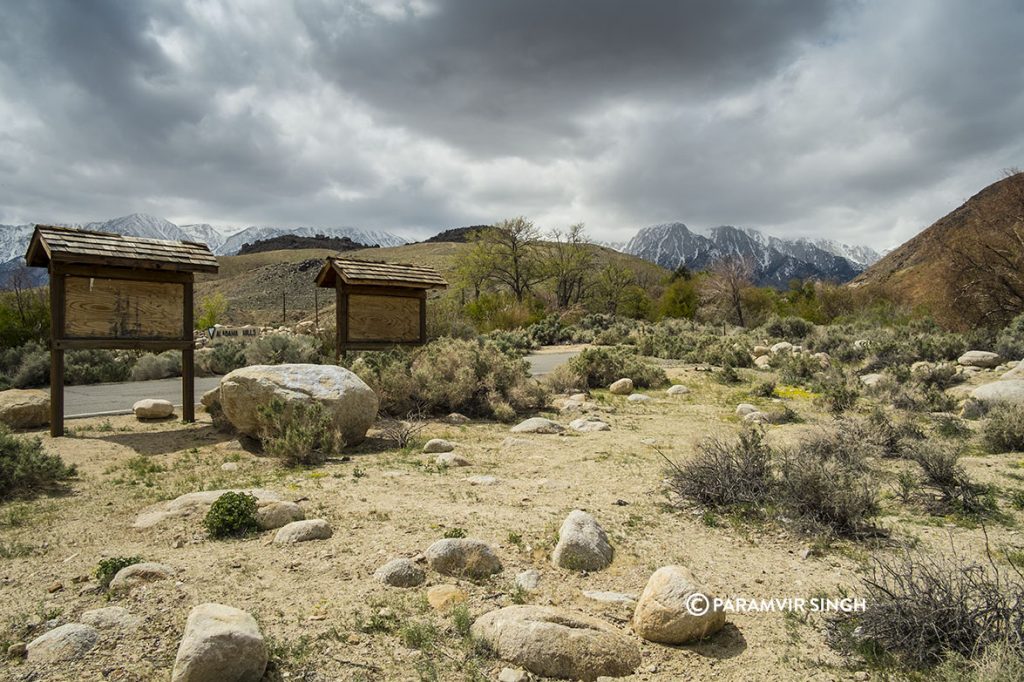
[
  {"x": 508, "y": 254},
  {"x": 610, "y": 286},
  {"x": 724, "y": 287},
  {"x": 570, "y": 264}
]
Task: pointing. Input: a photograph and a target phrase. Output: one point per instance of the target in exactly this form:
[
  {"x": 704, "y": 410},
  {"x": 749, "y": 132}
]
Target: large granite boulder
[
  {"x": 220, "y": 643},
  {"x": 980, "y": 358},
  {"x": 1003, "y": 392},
  {"x": 582, "y": 544},
  {"x": 24, "y": 409},
  {"x": 351, "y": 403},
  {"x": 675, "y": 609}
]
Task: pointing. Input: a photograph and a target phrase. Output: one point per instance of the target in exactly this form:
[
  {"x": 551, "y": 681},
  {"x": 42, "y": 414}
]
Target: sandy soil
[{"x": 314, "y": 601}]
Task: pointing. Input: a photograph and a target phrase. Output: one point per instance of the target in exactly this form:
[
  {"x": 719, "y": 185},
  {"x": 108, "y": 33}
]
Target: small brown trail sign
[{"x": 112, "y": 291}]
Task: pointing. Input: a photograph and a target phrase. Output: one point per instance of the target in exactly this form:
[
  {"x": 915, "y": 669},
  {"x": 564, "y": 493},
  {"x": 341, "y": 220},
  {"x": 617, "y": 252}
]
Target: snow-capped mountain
[
  {"x": 864, "y": 256},
  {"x": 775, "y": 261}
]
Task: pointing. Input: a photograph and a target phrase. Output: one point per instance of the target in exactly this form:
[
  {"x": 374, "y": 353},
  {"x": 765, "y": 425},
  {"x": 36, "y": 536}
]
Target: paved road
[{"x": 118, "y": 398}]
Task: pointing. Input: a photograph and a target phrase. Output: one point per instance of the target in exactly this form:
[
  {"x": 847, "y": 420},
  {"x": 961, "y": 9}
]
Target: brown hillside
[
  {"x": 255, "y": 284},
  {"x": 966, "y": 268}
]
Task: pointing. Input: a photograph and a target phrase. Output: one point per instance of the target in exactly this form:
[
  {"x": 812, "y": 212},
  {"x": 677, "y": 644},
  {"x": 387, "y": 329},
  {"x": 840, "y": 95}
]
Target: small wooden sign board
[
  {"x": 379, "y": 305},
  {"x": 117, "y": 292}
]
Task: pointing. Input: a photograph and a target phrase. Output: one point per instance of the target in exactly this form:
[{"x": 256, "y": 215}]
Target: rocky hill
[
  {"x": 291, "y": 241},
  {"x": 968, "y": 267},
  {"x": 775, "y": 261}
]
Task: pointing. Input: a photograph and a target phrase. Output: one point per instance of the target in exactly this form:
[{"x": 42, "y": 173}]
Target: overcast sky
[{"x": 857, "y": 121}]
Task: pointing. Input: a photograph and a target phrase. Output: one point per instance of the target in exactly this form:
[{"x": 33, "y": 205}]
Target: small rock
[
  {"x": 463, "y": 556},
  {"x": 528, "y": 580},
  {"x": 153, "y": 408},
  {"x": 511, "y": 442},
  {"x": 582, "y": 544},
  {"x": 438, "y": 445},
  {"x": 621, "y": 387},
  {"x": 760, "y": 351},
  {"x": 763, "y": 362},
  {"x": 537, "y": 425},
  {"x": 450, "y": 459},
  {"x": 24, "y": 408},
  {"x": 677, "y": 389},
  {"x": 638, "y": 398},
  {"x": 743, "y": 409},
  {"x": 781, "y": 347},
  {"x": 442, "y": 597},
  {"x": 229, "y": 466},
  {"x": 578, "y": 397},
  {"x": 303, "y": 531},
  {"x": 669, "y": 613},
  {"x": 870, "y": 380},
  {"x": 400, "y": 573},
  {"x": 589, "y": 425},
  {"x": 62, "y": 644},
  {"x": 482, "y": 480},
  {"x": 980, "y": 358},
  {"x": 111, "y": 618},
  {"x": 220, "y": 643},
  {"x": 145, "y": 572},
  {"x": 17, "y": 650},
  {"x": 513, "y": 675},
  {"x": 757, "y": 417},
  {"x": 456, "y": 418},
  {"x": 279, "y": 514},
  {"x": 55, "y": 586}
]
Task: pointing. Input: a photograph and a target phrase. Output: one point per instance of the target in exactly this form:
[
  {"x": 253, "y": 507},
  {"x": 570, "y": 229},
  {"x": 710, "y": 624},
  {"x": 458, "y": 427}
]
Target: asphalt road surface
[{"x": 99, "y": 399}]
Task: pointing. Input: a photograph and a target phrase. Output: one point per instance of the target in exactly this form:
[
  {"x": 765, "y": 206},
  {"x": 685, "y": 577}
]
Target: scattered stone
[
  {"x": 450, "y": 459},
  {"x": 980, "y": 358},
  {"x": 220, "y": 643},
  {"x": 611, "y": 597},
  {"x": 437, "y": 445},
  {"x": 677, "y": 389},
  {"x": 528, "y": 580},
  {"x": 743, "y": 409},
  {"x": 638, "y": 398},
  {"x": 760, "y": 351},
  {"x": 513, "y": 675},
  {"x": 589, "y": 425},
  {"x": 824, "y": 360},
  {"x": 482, "y": 480},
  {"x": 303, "y": 531},
  {"x": 400, "y": 573},
  {"x": 62, "y": 644},
  {"x": 1004, "y": 391},
  {"x": 111, "y": 618},
  {"x": 511, "y": 442},
  {"x": 349, "y": 401},
  {"x": 537, "y": 425},
  {"x": 763, "y": 362},
  {"x": 195, "y": 503},
  {"x": 463, "y": 557},
  {"x": 279, "y": 514},
  {"x": 554, "y": 643},
  {"x": 457, "y": 419},
  {"x": 442, "y": 597},
  {"x": 1016, "y": 373},
  {"x": 870, "y": 380},
  {"x": 55, "y": 586},
  {"x": 153, "y": 408},
  {"x": 578, "y": 397},
  {"x": 621, "y": 387},
  {"x": 229, "y": 466},
  {"x": 136, "y": 574},
  {"x": 757, "y": 417},
  {"x": 24, "y": 409},
  {"x": 669, "y": 614},
  {"x": 582, "y": 544},
  {"x": 781, "y": 347},
  {"x": 17, "y": 650}
]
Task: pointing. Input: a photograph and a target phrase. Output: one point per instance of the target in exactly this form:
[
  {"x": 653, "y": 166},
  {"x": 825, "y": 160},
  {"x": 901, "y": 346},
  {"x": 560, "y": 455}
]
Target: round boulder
[
  {"x": 350, "y": 402},
  {"x": 677, "y": 389},
  {"x": 24, "y": 409},
  {"x": 623, "y": 386},
  {"x": 675, "y": 609},
  {"x": 463, "y": 556},
  {"x": 743, "y": 409},
  {"x": 65, "y": 643},
  {"x": 537, "y": 425},
  {"x": 980, "y": 358},
  {"x": 582, "y": 544},
  {"x": 278, "y": 514},
  {"x": 1003, "y": 392},
  {"x": 438, "y": 445},
  {"x": 303, "y": 531},
  {"x": 589, "y": 425},
  {"x": 220, "y": 643},
  {"x": 136, "y": 574},
  {"x": 551, "y": 642},
  {"x": 400, "y": 573},
  {"x": 153, "y": 408}
]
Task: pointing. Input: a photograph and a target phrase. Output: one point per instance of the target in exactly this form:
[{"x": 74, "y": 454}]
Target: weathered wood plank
[
  {"x": 123, "y": 309},
  {"x": 383, "y": 318}
]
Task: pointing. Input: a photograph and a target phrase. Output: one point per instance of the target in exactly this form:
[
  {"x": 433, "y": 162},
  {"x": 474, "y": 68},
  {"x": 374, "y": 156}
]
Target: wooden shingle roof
[
  {"x": 70, "y": 245},
  {"x": 368, "y": 273}
]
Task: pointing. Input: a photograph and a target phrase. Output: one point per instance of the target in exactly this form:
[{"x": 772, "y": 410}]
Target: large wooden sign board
[
  {"x": 379, "y": 305},
  {"x": 111, "y": 291}
]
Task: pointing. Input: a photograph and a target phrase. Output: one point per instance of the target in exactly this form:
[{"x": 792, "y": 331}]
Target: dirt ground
[{"x": 326, "y": 618}]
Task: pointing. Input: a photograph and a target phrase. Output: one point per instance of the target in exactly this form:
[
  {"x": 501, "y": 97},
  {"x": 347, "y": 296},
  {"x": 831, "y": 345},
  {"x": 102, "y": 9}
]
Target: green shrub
[
  {"x": 946, "y": 488},
  {"x": 151, "y": 366},
  {"x": 599, "y": 367},
  {"x": 279, "y": 349},
  {"x": 299, "y": 432},
  {"x": 97, "y": 366},
  {"x": 792, "y": 329},
  {"x": 837, "y": 392},
  {"x": 232, "y": 515},
  {"x": 25, "y": 468},
  {"x": 1004, "y": 429},
  {"x": 223, "y": 357},
  {"x": 1010, "y": 341},
  {"x": 473, "y": 377},
  {"x": 33, "y": 368},
  {"x": 108, "y": 568},
  {"x": 727, "y": 473},
  {"x": 24, "y": 316},
  {"x": 765, "y": 389}
]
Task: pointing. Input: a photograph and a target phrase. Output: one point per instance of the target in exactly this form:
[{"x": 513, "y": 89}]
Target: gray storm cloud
[{"x": 857, "y": 121}]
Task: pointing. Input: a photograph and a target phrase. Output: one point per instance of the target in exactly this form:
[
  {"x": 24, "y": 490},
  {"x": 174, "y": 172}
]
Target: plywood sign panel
[
  {"x": 123, "y": 309},
  {"x": 383, "y": 318}
]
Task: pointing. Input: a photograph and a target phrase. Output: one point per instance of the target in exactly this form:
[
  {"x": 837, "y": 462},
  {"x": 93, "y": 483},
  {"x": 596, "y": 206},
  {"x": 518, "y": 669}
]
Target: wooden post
[
  {"x": 341, "y": 303},
  {"x": 188, "y": 368},
  {"x": 56, "y": 354}
]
